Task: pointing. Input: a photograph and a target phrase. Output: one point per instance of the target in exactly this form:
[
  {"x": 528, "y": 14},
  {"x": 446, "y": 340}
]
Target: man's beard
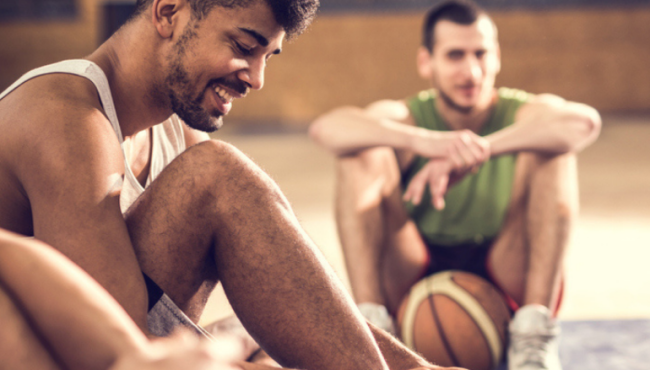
[
  {"x": 186, "y": 106},
  {"x": 453, "y": 105},
  {"x": 180, "y": 92}
]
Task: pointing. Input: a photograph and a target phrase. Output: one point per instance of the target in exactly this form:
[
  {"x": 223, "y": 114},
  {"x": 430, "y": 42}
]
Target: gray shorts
[{"x": 165, "y": 316}]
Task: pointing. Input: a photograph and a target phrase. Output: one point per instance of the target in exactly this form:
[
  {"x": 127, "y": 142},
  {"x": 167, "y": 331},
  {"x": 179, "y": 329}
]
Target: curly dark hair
[{"x": 293, "y": 15}]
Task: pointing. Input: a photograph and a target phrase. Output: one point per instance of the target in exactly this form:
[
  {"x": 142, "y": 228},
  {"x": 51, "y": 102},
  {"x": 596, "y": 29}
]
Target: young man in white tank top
[{"x": 76, "y": 150}]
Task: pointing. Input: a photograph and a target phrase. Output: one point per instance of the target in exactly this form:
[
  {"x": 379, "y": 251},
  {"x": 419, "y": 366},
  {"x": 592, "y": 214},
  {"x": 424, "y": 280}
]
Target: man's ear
[
  {"x": 165, "y": 16},
  {"x": 424, "y": 63}
]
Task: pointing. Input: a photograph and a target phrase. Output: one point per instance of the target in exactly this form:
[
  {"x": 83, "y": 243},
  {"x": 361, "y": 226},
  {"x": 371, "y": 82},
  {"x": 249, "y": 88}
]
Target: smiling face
[
  {"x": 218, "y": 59},
  {"x": 464, "y": 63}
]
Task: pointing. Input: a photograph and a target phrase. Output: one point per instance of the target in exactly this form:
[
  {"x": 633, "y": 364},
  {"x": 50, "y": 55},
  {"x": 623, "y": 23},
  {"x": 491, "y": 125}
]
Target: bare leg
[
  {"x": 212, "y": 214},
  {"x": 527, "y": 256},
  {"x": 383, "y": 250},
  {"x": 55, "y": 316}
]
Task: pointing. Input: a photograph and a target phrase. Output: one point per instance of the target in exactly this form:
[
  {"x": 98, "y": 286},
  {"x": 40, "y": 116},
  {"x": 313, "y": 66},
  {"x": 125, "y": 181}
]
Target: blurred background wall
[{"x": 360, "y": 52}]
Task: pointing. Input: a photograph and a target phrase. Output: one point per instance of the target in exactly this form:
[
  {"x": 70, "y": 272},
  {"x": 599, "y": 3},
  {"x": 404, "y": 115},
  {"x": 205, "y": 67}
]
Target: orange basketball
[{"x": 455, "y": 318}]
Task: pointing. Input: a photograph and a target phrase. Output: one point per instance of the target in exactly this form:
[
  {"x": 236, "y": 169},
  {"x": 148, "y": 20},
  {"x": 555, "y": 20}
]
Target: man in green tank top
[{"x": 462, "y": 176}]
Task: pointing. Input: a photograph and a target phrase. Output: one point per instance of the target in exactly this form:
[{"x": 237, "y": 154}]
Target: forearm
[
  {"x": 569, "y": 130},
  {"x": 349, "y": 130},
  {"x": 78, "y": 319}
]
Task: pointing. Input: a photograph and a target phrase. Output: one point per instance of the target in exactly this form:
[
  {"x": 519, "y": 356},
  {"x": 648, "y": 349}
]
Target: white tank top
[{"x": 168, "y": 140}]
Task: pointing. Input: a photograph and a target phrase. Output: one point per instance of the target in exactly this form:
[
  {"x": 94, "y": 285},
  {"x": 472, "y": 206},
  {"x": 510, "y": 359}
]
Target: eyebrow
[{"x": 259, "y": 37}]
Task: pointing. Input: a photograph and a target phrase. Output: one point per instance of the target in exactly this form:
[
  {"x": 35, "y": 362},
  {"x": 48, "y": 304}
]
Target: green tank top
[{"x": 476, "y": 206}]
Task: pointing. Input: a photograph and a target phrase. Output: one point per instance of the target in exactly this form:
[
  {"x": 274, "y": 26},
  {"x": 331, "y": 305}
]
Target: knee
[
  {"x": 224, "y": 172},
  {"x": 554, "y": 180},
  {"x": 549, "y": 164},
  {"x": 375, "y": 168}
]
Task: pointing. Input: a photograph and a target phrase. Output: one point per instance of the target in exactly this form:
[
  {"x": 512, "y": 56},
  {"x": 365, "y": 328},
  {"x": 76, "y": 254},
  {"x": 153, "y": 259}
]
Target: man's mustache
[{"x": 233, "y": 84}]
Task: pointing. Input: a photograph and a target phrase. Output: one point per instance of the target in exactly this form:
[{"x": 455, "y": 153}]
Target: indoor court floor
[{"x": 607, "y": 265}]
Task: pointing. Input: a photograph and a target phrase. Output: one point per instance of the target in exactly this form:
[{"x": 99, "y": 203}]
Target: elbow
[
  {"x": 326, "y": 129},
  {"x": 595, "y": 123},
  {"x": 318, "y": 129},
  {"x": 589, "y": 125}
]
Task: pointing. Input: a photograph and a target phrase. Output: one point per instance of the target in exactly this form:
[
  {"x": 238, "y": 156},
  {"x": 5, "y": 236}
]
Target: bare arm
[
  {"x": 85, "y": 327},
  {"x": 71, "y": 168},
  {"x": 83, "y": 324},
  {"x": 347, "y": 130},
  {"x": 548, "y": 124}
]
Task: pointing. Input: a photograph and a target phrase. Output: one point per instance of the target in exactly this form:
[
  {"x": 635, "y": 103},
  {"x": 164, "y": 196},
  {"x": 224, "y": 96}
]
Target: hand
[
  {"x": 463, "y": 147},
  {"x": 231, "y": 326},
  {"x": 183, "y": 350},
  {"x": 439, "y": 175}
]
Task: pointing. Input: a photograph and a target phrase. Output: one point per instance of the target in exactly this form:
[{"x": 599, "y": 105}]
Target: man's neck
[
  {"x": 129, "y": 60},
  {"x": 473, "y": 120}
]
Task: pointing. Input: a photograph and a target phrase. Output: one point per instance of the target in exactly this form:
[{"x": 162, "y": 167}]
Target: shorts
[
  {"x": 469, "y": 257},
  {"x": 473, "y": 258},
  {"x": 164, "y": 316}
]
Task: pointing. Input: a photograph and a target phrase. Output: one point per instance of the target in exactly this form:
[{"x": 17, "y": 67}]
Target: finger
[
  {"x": 477, "y": 146},
  {"x": 416, "y": 187},
  {"x": 468, "y": 151},
  {"x": 466, "y": 158},
  {"x": 455, "y": 157},
  {"x": 225, "y": 347},
  {"x": 438, "y": 191}
]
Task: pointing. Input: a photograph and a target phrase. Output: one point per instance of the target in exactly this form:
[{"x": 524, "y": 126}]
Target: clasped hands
[{"x": 452, "y": 155}]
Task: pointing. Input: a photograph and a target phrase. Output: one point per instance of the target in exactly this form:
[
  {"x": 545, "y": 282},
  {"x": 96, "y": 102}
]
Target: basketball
[{"x": 455, "y": 318}]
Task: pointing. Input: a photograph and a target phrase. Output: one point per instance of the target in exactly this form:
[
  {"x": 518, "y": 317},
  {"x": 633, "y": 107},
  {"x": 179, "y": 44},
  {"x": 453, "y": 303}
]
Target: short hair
[
  {"x": 293, "y": 15},
  {"x": 463, "y": 12}
]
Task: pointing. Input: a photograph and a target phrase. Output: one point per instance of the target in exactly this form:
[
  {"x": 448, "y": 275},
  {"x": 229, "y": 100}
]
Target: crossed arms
[{"x": 546, "y": 124}]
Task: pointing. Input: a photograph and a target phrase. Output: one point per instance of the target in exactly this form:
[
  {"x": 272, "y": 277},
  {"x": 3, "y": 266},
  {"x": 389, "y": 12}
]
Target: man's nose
[
  {"x": 472, "y": 67},
  {"x": 253, "y": 75}
]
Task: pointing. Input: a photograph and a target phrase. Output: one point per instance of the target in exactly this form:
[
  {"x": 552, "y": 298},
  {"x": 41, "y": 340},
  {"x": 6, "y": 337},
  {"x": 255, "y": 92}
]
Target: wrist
[{"x": 426, "y": 143}]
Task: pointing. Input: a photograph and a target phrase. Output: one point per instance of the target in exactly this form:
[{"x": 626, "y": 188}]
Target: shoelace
[{"x": 532, "y": 346}]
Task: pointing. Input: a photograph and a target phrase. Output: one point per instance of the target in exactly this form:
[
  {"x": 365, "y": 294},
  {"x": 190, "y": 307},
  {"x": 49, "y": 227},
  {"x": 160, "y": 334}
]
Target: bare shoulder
[
  {"x": 56, "y": 145},
  {"x": 54, "y": 122},
  {"x": 541, "y": 101},
  {"x": 395, "y": 110}
]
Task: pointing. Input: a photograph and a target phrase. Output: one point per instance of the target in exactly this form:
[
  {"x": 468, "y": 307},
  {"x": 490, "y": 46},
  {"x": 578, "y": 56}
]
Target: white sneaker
[
  {"x": 378, "y": 315},
  {"x": 534, "y": 340}
]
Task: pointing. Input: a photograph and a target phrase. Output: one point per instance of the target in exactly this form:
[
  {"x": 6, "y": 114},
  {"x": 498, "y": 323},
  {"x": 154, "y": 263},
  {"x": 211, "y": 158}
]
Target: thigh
[
  {"x": 171, "y": 231},
  {"x": 507, "y": 260},
  {"x": 404, "y": 256},
  {"x": 541, "y": 184}
]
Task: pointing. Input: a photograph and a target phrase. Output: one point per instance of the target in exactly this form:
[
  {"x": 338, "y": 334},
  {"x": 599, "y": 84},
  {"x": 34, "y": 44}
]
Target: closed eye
[{"x": 243, "y": 49}]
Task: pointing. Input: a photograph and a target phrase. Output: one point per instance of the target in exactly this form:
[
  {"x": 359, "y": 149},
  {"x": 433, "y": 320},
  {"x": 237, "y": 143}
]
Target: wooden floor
[{"x": 608, "y": 263}]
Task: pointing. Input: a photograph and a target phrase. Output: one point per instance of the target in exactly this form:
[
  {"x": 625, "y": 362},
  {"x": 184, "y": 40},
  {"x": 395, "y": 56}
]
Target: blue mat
[{"x": 604, "y": 345}]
